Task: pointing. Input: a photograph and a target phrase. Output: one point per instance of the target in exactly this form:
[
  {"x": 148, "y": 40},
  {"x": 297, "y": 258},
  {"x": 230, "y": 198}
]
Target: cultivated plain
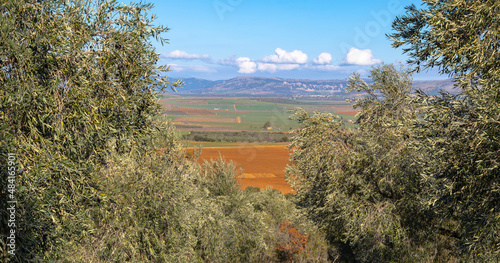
[{"x": 235, "y": 129}]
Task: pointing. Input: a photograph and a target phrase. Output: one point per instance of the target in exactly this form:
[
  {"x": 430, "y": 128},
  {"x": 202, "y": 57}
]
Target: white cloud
[
  {"x": 323, "y": 58},
  {"x": 360, "y": 57},
  {"x": 246, "y": 65},
  {"x": 196, "y": 68},
  {"x": 179, "y": 54},
  {"x": 270, "y": 67},
  {"x": 282, "y": 56},
  {"x": 227, "y": 61},
  {"x": 281, "y": 61}
]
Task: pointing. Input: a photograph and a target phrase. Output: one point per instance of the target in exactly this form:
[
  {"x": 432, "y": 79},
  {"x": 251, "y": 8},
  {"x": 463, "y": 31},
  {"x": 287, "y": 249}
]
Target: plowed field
[
  {"x": 263, "y": 165},
  {"x": 188, "y": 111},
  {"x": 200, "y": 119}
]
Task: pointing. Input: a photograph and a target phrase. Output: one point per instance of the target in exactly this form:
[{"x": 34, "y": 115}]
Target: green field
[{"x": 244, "y": 114}]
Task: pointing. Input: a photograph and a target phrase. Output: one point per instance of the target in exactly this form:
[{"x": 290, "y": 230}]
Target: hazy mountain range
[{"x": 278, "y": 87}]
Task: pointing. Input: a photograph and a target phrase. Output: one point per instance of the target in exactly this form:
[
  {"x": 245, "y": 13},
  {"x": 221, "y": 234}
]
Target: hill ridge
[{"x": 278, "y": 87}]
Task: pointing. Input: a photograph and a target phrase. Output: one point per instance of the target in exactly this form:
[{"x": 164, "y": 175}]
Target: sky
[{"x": 301, "y": 39}]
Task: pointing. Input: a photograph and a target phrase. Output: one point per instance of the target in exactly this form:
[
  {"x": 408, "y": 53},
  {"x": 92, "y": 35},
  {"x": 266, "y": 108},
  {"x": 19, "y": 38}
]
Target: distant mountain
[
  {"x": 278, "y": 87},
  {"x": 433, "y": 87},
  {"x": 196, "y": 84}
]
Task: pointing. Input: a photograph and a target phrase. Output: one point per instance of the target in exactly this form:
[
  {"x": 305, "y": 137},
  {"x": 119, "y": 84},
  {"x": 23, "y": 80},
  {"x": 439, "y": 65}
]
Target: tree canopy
[
  {"x": 100, "y": 175},
  {"x": 77, "y": 77},
  {"x": 418, "y": 179},
  {"x": 462, "y": 38}
]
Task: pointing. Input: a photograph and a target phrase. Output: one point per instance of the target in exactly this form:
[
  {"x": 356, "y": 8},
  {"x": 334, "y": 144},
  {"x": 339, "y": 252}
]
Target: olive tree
[
  {"x": 363, "y": 185},
  {"x": 76, "y": 77},
  {"x": 418, "y": 179},
  {"x": 462, "y": 132}
]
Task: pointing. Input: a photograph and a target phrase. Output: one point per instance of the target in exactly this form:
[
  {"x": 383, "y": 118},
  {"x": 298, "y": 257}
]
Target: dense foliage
[
  {"x": 419, "y": 179},
  {"x": 77, "y": 77},
  {"x": 244, "y": 136},
  {"x": 362, "y": 185},
  {"x": 462, "y": 132},
  {"x": 100, "y": 177}
]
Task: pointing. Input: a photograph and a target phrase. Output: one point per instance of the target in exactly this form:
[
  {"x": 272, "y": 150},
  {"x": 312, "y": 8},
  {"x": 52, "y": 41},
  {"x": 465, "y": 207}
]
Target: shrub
[
  {"x": 219, "y": 177},
  {"x": 76, "y": 77},
  {"x": 252, "y": 189},
  {"x": 291, "y": 243}
]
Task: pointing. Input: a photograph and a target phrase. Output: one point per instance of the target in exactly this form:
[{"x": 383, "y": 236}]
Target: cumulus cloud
[
  {"x": 281, "y": 61},
  {"x": 360, "y": 57},
  {"x": 270, "y": 67},
  {"x": 245, "y": 65},
  {"x": 179, "y": 54},
  {"x": 323, "y": 58},
  {"x": 282, "y": 56}
]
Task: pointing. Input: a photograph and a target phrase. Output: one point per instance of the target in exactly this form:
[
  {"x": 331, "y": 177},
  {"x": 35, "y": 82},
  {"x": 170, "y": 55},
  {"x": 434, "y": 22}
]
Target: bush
[
  {"x": 219, "y": 177},
  {"x": 158, "y": 206},
  {"x": 292, "y": 242},
  {"x": 252, "y": 189},
  {"x": 209, "y": 136},
  {"x": 362, "y": 185}
]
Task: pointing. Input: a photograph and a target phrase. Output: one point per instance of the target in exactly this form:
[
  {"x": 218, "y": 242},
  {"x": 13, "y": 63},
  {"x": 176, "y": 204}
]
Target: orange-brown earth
[{"x": 263, "y": 165}]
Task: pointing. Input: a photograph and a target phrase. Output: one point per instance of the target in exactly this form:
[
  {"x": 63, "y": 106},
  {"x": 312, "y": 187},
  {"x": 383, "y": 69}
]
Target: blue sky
[{"x": 221, "y": 39}]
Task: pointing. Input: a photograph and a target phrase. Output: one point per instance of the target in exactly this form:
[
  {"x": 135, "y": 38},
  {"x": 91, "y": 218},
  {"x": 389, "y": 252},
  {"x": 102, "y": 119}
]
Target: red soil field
[{"x": 263, "y": 165}]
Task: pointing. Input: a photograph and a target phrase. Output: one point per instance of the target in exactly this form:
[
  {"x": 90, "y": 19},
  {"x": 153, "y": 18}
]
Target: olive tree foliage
[
  {"x": 76, "y": 78},
  {"x": 363, "y": 185},
  {"x": 159, "y": 206},
  {"x": 101, "y": 177},
  {"x": 460, "y": 37},
  {"x": 418, "y": 180},
  {"x": 462, "y": 132}
]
